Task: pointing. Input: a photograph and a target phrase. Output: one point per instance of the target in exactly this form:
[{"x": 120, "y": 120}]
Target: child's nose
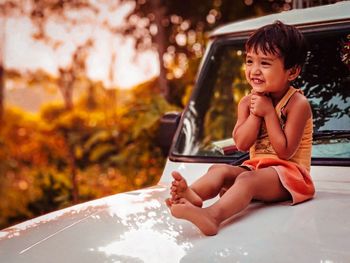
[{"x": 255, "y": 69}]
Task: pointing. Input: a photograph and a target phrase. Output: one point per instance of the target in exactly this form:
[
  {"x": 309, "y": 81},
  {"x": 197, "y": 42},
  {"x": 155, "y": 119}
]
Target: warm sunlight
[{"x": 112, "y": 59}]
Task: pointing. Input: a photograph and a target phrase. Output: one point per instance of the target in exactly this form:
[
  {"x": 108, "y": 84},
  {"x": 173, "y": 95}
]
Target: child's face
[{"x": 265, "y": 72}]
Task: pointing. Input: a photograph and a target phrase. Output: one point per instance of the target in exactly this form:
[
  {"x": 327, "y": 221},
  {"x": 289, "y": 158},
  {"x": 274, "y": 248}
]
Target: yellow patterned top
[{"x": 263, "y": 147}]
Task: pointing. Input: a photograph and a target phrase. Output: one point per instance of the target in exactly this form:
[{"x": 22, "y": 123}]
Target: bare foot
[
  {"x": 180, "y": 189},
  {"x": 198, "y": 216},
  {"x": 169, "y": 202}
]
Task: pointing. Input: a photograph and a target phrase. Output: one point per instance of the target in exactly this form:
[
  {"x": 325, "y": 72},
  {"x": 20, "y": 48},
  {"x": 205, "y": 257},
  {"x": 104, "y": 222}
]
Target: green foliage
[{"x": 108, "y": 149}]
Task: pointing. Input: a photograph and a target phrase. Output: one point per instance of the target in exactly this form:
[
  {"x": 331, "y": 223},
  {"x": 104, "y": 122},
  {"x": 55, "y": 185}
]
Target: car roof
[{"x": 320, "y": 14}]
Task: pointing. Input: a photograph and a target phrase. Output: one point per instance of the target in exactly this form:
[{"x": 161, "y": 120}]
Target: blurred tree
[
  {"x": 70, "y": 75},
  {"x": 41, "y": 13},
  {"x": 324, "y": 86},
  {"x": 36, "y": 151},
  {"x": 179, "y": 31},
  {"x": 2, "y": 82},
  {"x": 176, "y": 31},
  {"x": 7, "y": 8}
]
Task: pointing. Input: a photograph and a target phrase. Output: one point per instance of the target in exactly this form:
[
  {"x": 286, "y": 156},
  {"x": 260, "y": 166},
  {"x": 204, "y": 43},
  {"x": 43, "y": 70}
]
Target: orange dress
[{"x": 294, "y": 173}]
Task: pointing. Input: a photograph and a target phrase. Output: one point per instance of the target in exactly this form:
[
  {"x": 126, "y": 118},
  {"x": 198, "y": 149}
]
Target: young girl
[{"x": 274, "y": 122}]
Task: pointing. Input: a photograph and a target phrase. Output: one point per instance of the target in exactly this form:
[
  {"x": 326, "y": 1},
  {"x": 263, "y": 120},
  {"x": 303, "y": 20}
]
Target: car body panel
[
  {"x": 138, "y": 227},
  {"x": 327, "y": 13}
]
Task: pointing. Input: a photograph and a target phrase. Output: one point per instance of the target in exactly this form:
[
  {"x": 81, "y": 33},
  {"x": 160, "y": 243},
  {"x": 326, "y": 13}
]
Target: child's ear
[{"x": 294, "y": 72}]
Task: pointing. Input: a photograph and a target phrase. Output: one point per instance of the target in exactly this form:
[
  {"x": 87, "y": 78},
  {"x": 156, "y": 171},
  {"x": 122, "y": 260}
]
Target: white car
[{"x": 137, "y": 226}]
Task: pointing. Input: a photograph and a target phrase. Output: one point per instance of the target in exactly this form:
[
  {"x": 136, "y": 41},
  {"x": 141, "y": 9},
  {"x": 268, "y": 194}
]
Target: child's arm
[
  {"x": 247, "y": 126},
  {"x": 284, "y": 142}
]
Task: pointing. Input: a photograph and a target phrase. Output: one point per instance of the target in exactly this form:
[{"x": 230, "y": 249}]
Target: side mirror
[{"x": 167, "y": 128}]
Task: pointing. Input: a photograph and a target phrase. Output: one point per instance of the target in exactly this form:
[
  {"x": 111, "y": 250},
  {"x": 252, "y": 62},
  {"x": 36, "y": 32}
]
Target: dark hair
[{"x": 280, "y": 39}]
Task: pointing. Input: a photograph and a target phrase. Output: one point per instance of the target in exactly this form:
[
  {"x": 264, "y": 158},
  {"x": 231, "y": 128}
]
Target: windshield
[{"x": 212, "y": 112}]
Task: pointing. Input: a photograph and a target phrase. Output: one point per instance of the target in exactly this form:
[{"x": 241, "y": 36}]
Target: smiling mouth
[{"x": 256, "y": 81}]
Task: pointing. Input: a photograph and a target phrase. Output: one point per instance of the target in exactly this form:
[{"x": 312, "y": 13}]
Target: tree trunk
[
  {"x": 2, "y": 93},
  {"x": 160, "y": 40},
  {"x": 68, "y": 97},
  {"x": 72, "y": 168},
  {"x": 2, "y": 67},
  {"x": 65, "y": 83}
]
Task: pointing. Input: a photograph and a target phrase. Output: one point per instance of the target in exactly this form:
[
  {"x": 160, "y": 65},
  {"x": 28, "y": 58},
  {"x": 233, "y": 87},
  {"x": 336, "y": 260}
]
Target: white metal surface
[
  {"x": 337, "y": 11},
  {"x": 137, "y": 227}
]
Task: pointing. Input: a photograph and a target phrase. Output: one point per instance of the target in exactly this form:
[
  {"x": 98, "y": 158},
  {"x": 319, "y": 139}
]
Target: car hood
[{"x": 137, "y": 227}]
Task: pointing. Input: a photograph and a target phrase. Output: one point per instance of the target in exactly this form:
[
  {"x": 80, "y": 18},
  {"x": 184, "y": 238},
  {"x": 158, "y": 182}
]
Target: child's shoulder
[
  {"x": 299, "y": 97},
  {"x": 299, "y": 100}
]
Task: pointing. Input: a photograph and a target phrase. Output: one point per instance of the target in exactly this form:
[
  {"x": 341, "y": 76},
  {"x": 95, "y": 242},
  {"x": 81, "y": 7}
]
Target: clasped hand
[{"x": 260, "y": 104}]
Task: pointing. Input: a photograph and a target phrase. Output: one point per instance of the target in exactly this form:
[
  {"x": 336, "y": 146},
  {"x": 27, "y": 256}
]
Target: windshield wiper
[{"x": 331, "y": 134}]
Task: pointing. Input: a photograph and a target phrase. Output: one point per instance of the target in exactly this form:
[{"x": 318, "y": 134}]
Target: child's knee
[
  {"x": 218, "y": 168},
  {"x": 245, "y": 176},
  {"x": 246, "y": 180}
]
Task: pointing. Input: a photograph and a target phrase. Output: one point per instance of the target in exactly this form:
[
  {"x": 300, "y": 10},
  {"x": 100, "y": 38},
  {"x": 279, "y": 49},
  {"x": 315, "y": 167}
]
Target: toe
[
  {"x": 177, "y": 176},
  {"x": 169, "y": 202}
]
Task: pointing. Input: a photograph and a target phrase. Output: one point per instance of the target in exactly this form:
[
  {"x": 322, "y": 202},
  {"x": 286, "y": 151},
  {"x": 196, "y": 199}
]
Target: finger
[{"x": 255, "y": 92}]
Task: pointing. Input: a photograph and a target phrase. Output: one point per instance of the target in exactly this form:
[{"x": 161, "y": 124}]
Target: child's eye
[
  {"x": 249, "y": 61},
  {"x": 265, "y": 63}
]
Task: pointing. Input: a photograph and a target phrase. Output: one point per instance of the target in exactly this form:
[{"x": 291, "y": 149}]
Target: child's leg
[
  {"x": 218, "y": 176},
  {"x": 207, "y": 186},
  {"x": 262, "y": 185}
]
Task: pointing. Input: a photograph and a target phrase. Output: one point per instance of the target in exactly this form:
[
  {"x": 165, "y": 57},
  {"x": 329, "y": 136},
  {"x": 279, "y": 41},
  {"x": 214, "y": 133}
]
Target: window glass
[
  {"x": 212, "y": 112},
  {"x": 326, "y": 81}
]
